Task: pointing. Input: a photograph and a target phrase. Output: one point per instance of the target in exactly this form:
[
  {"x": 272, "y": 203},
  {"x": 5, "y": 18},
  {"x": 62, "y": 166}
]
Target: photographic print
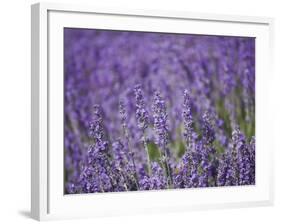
[{"x": 157, "y": 111}]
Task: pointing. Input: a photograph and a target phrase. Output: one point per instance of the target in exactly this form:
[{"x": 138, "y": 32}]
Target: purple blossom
[
  {"x": 95, "y": 176},
  {"x": 128, "y": 141},
  {"x": 142, "y": 120},
  {"x": 252, "y": 151},
  {"x": 141, "y": 113},
  {"x": 189, "y": 133},
  {"x": 158, "y": 179},
  {"x": 243, "y": 157},
  {"x": 208, "y": 131},
  {"x": 160, "y": 122},
  {"x": 161, "y": 130},
  {"x": 226, "y": 171},
  {"x": 96, "y": 131}
]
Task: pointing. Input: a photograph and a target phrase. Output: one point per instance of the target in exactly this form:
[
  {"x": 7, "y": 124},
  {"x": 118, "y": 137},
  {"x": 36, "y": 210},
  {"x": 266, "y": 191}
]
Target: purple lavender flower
[
  {"x": 123, "y": 174},
  {"x": 160, "y": 122},
  {"x": 194, "y": 170},
  {"x": 189, "y": 133},
  {"x": 161, "y": 130},
  {"x": 207, "y": 153},
  {"x": 95, "y": 176},
  {"x": 142, "y": 120},
  {"x": 145, "y": 183},
  {"x": 226, "y": 171},
  {"x": 208, "y": 131},
  {"x": 141, "y": 113},
  {"x": 96, "y": 131},
  {"x": 158, "y": 179},
  {"x": 243, "y": 157},
  {"x": 123, "y": 114},
  {"x": 252, "y": 148}
]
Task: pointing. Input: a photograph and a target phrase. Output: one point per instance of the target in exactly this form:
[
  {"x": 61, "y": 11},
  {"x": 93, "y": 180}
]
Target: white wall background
[{"x": 15, "y": 110}]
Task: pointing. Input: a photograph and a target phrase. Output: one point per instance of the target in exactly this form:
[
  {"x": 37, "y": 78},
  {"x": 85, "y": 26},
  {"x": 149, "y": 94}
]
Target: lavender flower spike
[
  {"x": 96, "y": 131},
  {"x": 161, "y": 130},
  {"x": 141, "y": 112},
  {"x": 123, "y": 114},
  {"x": 226, "y": 171},
  {"x": 160, "y": 121},
  {"x": 252, "y": 159},
  {"x": 189, "y": 133},
  {"x": 208, "y": 131},
  {"x": 96, "y": 174},
  {"x": 142, "y": 120},
  {"x": 243, "y": 156}
]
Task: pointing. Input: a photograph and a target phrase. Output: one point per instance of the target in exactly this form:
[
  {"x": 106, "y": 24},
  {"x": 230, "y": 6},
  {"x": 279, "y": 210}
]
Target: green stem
[
  {"x": 167, "y": 168},
  {"x": 132, "y": 157},
  {"x": 147, "y": 154}
]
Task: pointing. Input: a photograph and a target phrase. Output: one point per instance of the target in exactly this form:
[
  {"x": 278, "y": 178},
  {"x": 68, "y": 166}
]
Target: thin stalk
[
  {"x": 126, "y": 134},
  {"x": 167, "y": 169},
  {"x": 131, "y": 156},
  {"x": 147, "y": 154}
]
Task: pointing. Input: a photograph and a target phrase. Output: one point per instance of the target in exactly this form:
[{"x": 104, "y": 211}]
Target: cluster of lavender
[{"x": 148, "y": 111}]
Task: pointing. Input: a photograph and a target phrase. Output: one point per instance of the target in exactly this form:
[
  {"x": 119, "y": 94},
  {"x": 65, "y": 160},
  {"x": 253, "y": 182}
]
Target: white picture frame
[{"x": 47, "y": 198}]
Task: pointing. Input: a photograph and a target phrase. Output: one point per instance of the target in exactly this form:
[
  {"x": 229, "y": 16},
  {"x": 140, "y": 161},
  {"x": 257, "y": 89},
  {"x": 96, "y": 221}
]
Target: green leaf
[
  {"x": 153, "y": 151},
  {"x": 218, "y": 147},
  {"x": 180, "y": 148}
]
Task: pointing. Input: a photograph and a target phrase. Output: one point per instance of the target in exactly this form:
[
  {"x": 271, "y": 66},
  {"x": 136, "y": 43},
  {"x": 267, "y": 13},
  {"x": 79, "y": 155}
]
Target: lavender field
[{"x": 151, "y": 111}]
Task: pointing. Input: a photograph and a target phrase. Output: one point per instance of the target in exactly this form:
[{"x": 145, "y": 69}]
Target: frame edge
[
  {"x": 35, "y": 177},
  {"x": 39, "y": 168}
]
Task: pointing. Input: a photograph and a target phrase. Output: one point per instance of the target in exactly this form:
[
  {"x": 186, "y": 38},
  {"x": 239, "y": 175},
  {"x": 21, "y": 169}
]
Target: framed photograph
[{"x": 148, "y": 111}]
